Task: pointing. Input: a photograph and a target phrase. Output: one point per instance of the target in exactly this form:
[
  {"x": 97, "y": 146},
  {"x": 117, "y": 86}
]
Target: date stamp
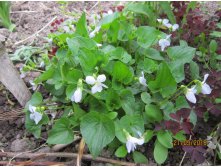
[{"x": 197, "y": 142}]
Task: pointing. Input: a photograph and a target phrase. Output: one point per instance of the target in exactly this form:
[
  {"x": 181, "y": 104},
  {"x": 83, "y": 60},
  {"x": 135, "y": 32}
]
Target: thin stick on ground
[
  {"x": 19, "y": 154},
  {"x": 184, "y": 155},
  {"x": 35, "y": 34},
  {"x": 67, "y": 155},
  {"x": 24, "y": 11}
]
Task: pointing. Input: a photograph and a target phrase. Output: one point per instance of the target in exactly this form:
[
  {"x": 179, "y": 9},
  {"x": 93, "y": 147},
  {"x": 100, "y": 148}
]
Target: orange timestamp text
[{"x": 197, "y": 142}]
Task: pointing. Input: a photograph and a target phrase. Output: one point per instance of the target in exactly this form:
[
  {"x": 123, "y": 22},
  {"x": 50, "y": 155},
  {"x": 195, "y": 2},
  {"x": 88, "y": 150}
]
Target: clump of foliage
[
  {"x": 5, "y": 15},
  {"x": 119, "y": 83}
]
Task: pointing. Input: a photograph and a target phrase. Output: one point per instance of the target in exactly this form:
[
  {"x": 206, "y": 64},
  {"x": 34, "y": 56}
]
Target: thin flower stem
[{"x": 165, "y": 100}]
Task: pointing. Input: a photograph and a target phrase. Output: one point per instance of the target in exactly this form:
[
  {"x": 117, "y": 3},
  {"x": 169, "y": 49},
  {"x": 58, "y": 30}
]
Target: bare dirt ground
[{"x": 30, "y": 17}]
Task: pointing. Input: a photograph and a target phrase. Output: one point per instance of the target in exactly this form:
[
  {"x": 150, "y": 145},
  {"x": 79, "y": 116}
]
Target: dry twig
[
  {"x": 35, "y": 34},
  {"x": 67, "y": 155}
]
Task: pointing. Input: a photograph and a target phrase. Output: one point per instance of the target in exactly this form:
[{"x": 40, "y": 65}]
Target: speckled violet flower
[
  {"x": 96, "y": 82},
  {"x": 205, "y": 87},
  {"x": 142, "y": 80},
  {"x": 35, "y": 116},
  {"x": 163, "y": 43},
  {"x": 190, "y": 94},
  {"x": 77, "y": 96}
]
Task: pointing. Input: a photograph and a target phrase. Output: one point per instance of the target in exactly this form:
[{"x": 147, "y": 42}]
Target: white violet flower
[
  {"x": 142, "y": 80},
  {"x": 109, "y": 12},
  {"x": 205, "y": 87},
  {"x": 93, "y": 33},
  {"x": 77, "y": 96},
  {"x": 175, "y": 27},
  {"x": 132, "y": 142},
  {"x": 97, "y": 83},
  {"x": 190, "y": 94},
  {"x": 36, "y": 116},
  {"x": 99, "y": 45},
  {"x": 163, "y": 43}
]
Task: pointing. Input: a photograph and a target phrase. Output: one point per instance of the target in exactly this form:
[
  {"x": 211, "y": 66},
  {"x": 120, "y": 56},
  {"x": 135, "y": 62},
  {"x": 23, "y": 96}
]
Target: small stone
[
  {"x": 1, "y": 135},
  {"x": 4, "y": 140},
  {"x": 22, "y": 145},
  {"x": 19, "y": 123}
]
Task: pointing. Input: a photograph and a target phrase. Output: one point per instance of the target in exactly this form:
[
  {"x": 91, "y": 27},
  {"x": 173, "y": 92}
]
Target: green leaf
[
  {"x": 148, "y": 36},
  {"x": 73, "y": 75},
  {"x": 179, "y": 55},
  {"x": 61, "y": 133},
  {"x": 90, "y": 59},
  {"x": 153, "y": 113},
  {"x": 181, "y": 103},
  {"x": 148, "y": 136},
  {"x": 193, "y": 117},
  {"x": 194, "y": 70},
  {"x": 165, "y": 139},
  {"x": 152, "y": 54},
  {"x": 160, "y": 153},
  {"x": 113, "y": 100},
  {"x": 213, "y": 46},
  {"x": 167, "y": 9},
  {"x": 81, "y": 27},
  {"x": 73, "y": 45},
  {"x": 146, "y": 98},
  {"x": 148, "y": 66},
  {"x": 70, "y": 90},
  {"x": 36, "y": 99},
  {"x": 164, "y": 81},
  {"x": 98, "y": 130},
  {"x": 45, "y": 76},
  {"x": 139, "y": 158},
  {"x": 107, "y": 20},
  {"x": 121, "y": 152},
  {"x": 180, "y": 136},
  {"x": 112, "y": 115},
  {"x": 138, "y": 8},
  {"x": 128, "y": 102},
  {"x": 122, "y": 73},
  {"x": 216, "y": 34},
  {"x": 120, "y": 54}
]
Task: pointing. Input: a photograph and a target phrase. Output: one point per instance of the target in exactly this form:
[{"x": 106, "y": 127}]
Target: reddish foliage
[
  {"x": 196, "y": 153},
  {"x": 195, "y": 24}
]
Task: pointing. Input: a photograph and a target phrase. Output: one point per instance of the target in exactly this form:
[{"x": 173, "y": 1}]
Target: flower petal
[
  {"x": 142, "y": 81},
  {"x": 206, "y": 89},
  {"x": 168, "y": 25},
  {"x": 31, "y": 108},
  {"x": 77, "y": 96},
  {"x": 90, "y": 80},
  {"x": 205, "y": 78},
  {"x": 190, "y": 96},
  {"x": 165, "y": 21},
  {"x": 36, "y": 116},
  {"x": 101, "y": 78},
  {"x": 164, "y": 43},
  {"x": 159, "y": 20},
  {"x": 105, "y": 86},
  {"x": 129, "y": 146},
  {"x": 175, "y": 27},
  {"x": 135, "y": 140},
  {"x": 96, "y": 88}
]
